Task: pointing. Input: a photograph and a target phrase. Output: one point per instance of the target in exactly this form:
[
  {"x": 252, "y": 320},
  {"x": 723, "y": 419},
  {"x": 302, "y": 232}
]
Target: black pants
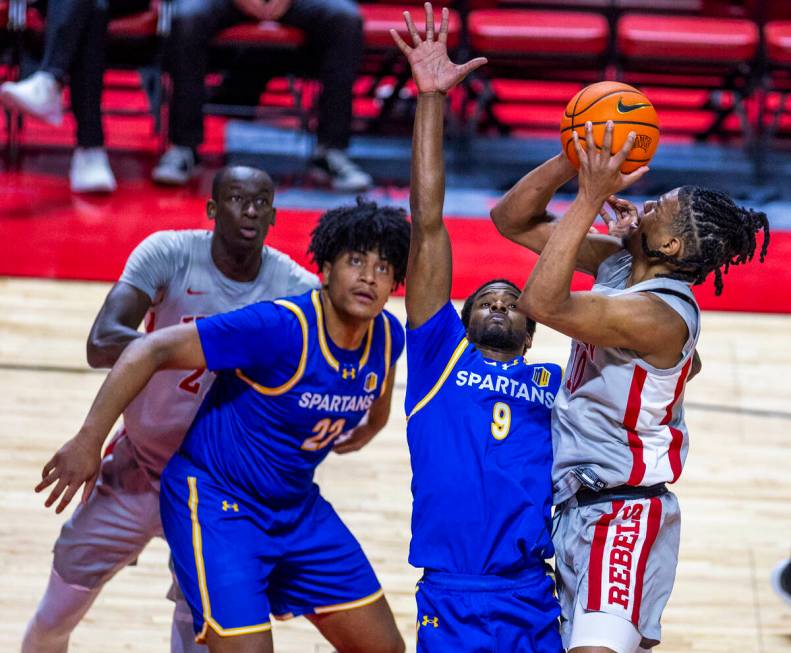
[
  {"x": 74, "y": 45},
  {"x": 334, "y": 32}
]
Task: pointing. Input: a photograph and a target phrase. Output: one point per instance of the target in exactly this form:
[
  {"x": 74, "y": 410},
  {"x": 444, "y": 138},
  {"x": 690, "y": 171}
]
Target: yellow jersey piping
[
  {"x": 197, "y": 548},
  {"x": 388, "y": 352},
  {"x": 303, "y": 359},
  {"x": 359, "y": 603},
  {"x": 443, "y": 377},
  {"x": 325, "y": 350}
]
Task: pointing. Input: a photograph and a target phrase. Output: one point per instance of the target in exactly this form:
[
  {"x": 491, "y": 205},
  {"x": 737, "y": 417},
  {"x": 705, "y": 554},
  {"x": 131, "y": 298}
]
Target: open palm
[{"x": 432, "y": 69}]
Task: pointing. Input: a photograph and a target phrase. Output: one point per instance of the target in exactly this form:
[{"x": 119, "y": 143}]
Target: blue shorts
[
  {"x": 238, "y": 561},
  {"x": 487, "y": 614}
]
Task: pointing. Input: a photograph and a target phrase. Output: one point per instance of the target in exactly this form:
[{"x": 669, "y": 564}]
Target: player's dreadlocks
[
  {"x": 716, "y": 234},
  {"x": 360, "y": 228},
  {"x": 466, "y": 310}
]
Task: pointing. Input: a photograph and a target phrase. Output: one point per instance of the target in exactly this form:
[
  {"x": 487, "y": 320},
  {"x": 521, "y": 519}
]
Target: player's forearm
[
  {"x": 105, "y": 347},
  {"x": 526, "y": 203},
  {"x": 427, "y": 184},
  {"x": 549, "y": 287},
  {"x": 134, "y": 368}
]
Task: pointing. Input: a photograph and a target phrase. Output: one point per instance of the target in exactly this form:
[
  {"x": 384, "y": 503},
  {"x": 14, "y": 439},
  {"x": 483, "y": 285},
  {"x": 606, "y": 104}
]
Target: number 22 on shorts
[{"x": 501, "y": 420}]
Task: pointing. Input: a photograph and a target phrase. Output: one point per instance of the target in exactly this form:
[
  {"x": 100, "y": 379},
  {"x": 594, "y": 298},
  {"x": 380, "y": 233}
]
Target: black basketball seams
[
  {"x": 615, "y": 122},
  {"x": 606, "y": 95}
]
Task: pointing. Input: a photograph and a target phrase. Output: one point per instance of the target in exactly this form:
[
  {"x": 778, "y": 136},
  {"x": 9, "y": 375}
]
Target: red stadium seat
[
  {"x": 383, "y": 61},
  {"x": 707, "y": 52},
  {"x": 136, "y": 26},
  {"x": 265, "y": 34},
  {"x": 538, "y": 33},
  {"x": 778, "y": 42},
  {"x": 776, "y": 18},
  {"x": 378, "y": 20},
  {"x": 687, "y": 38},
  {"x": 533, "y": 44}
]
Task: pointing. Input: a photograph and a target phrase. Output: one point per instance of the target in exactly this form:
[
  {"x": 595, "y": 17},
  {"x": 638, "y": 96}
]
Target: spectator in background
[
  {"x": 334, "y": 35},
  {"x": 74, "y": 51}
]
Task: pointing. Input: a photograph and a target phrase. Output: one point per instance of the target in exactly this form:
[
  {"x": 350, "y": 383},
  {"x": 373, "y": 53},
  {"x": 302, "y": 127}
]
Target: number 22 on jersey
[
  {"x": 326, "y": 431},
  {"x": 501, "y": 420}
]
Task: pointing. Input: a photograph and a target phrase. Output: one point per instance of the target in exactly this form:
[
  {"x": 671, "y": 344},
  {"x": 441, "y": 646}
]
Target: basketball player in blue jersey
[
  {"x": 478, "y": 421},
  {"x": 249, "y": 531}
]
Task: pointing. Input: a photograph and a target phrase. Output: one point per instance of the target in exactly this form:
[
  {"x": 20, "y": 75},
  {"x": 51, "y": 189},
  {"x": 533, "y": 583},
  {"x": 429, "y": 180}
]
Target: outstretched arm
[
  {"x": 77, "y": 462},
  {"x": 429, "y": 269},
  {"x": 521, "y": 215}
]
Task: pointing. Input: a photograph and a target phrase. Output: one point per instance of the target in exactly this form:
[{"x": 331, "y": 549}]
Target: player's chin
[{"x": 363, "y": 310}]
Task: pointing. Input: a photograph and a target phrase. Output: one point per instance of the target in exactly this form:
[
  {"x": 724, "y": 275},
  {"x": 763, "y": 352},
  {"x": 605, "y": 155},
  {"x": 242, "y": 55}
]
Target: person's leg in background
[
  {"x": 74, "y": 50},
  {"x": 335, "y": 34},
  {"x": 90, "y": 168},
  {"x": 194, "y": 24}
]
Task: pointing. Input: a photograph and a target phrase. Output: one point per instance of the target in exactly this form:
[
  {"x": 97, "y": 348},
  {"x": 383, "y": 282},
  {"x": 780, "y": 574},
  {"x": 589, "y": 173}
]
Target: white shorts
[
  {"x": 109, "y": 531},
  {"x": 619, "y": 558}
]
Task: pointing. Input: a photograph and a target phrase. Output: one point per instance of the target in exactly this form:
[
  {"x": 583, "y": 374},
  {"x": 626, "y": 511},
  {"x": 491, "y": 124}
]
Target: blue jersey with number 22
[{"x": 284, "y": 394}]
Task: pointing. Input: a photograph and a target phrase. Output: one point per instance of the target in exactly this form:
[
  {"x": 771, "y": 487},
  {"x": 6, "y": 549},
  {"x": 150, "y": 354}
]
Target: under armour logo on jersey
[
  {"x": 230, "y": 506},
  {"x": 349, "y": 373},
  {"x": 541, "y": 377},
  {"x": 513, "y": 363},
  {"x": 434, "y": 621}
]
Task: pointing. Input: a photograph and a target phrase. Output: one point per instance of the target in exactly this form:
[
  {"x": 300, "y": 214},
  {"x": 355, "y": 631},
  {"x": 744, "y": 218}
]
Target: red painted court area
[{"x": 46, "y": 231}]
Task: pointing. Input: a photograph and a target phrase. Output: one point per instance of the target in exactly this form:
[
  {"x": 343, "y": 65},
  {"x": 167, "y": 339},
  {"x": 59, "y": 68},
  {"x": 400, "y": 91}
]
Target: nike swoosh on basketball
[
  {"x": 626, "y": 108},
  {"x": 190, "y": 291}
]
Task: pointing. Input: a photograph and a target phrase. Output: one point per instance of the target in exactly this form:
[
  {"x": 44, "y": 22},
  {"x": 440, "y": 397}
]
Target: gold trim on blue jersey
[
  {"x": 197, "y": 548},
  {"x": 325, "y": 350},
  {"x": 460, "y": 348},
  {"x": 388, "y": 353},
  {"x": 303, "y": 359},
  {"x": 359, "y": 603}
]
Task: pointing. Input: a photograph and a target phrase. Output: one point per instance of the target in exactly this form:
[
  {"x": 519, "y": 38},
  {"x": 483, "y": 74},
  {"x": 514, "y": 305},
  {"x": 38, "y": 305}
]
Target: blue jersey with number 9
[
  {"x": 284, "y": 394},
  {"x": 481, "y": 450}
]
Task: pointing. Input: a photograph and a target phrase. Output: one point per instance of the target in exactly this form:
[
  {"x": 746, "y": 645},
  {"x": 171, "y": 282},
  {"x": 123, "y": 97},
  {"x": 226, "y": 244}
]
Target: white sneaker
[
  {"x": 176, "y": 167},
  {"x": 333, "y": 167},
  {"x": 38, "y": 95},
  {"x": 90, "y": 171}
]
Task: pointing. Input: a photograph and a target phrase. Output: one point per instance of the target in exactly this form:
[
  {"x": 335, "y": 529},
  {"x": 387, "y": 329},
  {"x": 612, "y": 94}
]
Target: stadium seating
[{"x": 723, "y": 48}]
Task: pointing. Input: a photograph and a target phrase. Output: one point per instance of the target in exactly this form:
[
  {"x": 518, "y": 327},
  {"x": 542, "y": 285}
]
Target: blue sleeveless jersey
[
  {"x": 284, "y": 393},
  {"x": 481, "y": 450}
]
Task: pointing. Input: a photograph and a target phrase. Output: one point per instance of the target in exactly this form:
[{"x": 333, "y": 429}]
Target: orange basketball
[{"x": 627, "y": 107}]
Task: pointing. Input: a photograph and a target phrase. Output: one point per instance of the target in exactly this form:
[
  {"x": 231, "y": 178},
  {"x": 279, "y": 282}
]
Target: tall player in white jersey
[
  {"x": 618, "y": 421},
  {"x": 170, "y": 278}
]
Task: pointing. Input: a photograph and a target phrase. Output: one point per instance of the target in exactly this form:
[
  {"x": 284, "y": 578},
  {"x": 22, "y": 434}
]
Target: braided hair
[
  {"x": 359, "y": 228},
  {"x": 716, "y": 234}
]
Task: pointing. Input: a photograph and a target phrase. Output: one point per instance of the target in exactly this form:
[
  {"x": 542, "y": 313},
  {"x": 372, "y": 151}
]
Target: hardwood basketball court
[{"x": 735, "y": 492}]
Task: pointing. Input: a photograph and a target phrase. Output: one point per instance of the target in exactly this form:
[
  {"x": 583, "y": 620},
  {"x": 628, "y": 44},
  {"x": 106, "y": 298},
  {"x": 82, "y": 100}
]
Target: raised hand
[
  {"x": 432, "y": 69},
  {"x": 626, "y": 216},
  {"x": 75, "y": 463},
  {"x": 600, "y": 173}
]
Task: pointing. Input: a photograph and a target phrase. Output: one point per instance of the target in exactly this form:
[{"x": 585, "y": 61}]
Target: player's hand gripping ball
[{"x": 629, "y": 110}]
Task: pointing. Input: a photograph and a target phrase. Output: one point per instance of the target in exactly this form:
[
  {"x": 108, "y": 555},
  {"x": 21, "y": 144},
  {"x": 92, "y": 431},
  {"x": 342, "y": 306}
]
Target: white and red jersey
[
  {"x": 618, "y": 420},
  {"x": 175, "y": 269}
]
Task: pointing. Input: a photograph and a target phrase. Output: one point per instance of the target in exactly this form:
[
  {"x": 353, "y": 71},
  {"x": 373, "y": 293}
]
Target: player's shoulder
[
  {"x": 276, "y": 257},
  {"x": 174, "y": 243},
  {"x": 177, "y": 238}
]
